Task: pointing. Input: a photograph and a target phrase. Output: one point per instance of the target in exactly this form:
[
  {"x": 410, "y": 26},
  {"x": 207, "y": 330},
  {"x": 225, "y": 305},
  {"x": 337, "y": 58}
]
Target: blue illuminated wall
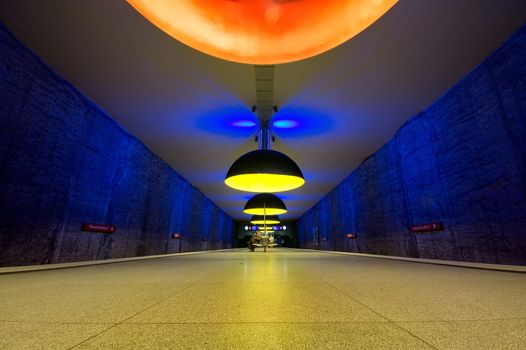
[
  {"x": 64, "y": 162},
  {"x": 461, "y": 162}
]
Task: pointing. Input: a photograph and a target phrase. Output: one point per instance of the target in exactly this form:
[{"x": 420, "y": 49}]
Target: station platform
[{"x": 281, "y": 299}]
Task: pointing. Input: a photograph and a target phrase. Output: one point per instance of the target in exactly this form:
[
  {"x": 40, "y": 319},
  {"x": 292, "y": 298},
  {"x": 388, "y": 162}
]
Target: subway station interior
[{"x": 263, "y": 174}]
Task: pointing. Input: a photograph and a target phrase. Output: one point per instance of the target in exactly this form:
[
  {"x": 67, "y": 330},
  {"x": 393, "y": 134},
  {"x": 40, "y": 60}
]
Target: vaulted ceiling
[{"x": 191, "y": 109}]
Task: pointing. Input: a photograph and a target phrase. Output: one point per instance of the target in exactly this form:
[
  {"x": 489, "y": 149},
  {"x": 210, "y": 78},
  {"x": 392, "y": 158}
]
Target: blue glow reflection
[
  {"x": 232, "y": 121},
  {"x": 285, "y": 124},
  {"x": 300, "y": 122},
  {"x": 244, "y": 123}
]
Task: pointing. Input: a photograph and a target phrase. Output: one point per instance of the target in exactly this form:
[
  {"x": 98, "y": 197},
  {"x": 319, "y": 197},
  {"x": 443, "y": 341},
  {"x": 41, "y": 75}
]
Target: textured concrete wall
[
  {"x": 64, "y": 162},
  {"x": 461, "y": 162}
]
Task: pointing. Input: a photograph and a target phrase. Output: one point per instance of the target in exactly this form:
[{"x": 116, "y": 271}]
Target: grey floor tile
[
  {"x": 259, "y": 267},
  {"x": 443, "y": 293},
  {"x": 256, "y": 336},
  {"x": 74, "y": 295},
  {"x": 45, "y": 336},
  {"x": 258, "y": 302},
  {"x": 471, "y": 335}
]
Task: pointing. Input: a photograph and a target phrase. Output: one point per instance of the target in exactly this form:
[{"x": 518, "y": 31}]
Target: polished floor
[{"x": 281, "y": 299}]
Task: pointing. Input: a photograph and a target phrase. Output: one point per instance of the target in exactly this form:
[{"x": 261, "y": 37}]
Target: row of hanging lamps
[
  {"x": 265, "y": 207},
  {"x": 264, "y": 171}
]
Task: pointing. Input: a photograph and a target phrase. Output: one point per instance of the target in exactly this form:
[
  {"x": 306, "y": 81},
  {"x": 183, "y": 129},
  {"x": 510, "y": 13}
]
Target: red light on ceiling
[{"x": 262, "y": 31}]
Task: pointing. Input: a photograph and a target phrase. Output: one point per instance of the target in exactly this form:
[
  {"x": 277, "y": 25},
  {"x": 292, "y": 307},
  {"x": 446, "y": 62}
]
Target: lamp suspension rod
[
  {"x": 265, "y": 136},
  {"x": 265, "y": 217}
]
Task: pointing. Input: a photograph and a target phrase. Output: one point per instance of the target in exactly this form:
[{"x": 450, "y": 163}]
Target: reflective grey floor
[{"x": 282, "y": 299}]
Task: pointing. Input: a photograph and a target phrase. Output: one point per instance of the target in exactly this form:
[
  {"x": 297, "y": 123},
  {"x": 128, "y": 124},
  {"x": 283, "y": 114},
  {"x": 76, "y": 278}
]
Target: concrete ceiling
[{"x": 181, "y": 103}]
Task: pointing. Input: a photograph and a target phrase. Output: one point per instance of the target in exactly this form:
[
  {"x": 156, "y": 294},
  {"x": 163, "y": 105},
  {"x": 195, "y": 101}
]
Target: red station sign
[
  {"x": 351, "y": 236},
  {"x": 177, "y": 235},
  {"x": 101, "y": 228},
  {"x": 430, "y": 227}
]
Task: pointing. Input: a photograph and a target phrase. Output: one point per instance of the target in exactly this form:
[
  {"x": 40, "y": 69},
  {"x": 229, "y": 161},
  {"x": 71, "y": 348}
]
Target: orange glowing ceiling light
[{"x": 262, "y": 31}]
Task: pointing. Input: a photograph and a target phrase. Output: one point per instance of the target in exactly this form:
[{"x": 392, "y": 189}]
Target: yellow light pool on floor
[{"x": 262, "y": 31}]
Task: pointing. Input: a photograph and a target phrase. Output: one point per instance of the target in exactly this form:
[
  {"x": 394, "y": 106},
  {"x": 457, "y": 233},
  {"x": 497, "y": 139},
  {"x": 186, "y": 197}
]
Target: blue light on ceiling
[
  {"x": 300, "y": 122},
  {"x": 285, "y": 124},
  {"x": 243, "y": 123},
  {"x": 229, "y": 121}
]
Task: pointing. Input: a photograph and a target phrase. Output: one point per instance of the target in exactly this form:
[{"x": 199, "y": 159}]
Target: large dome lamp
[{"x": 264, "y": 170}]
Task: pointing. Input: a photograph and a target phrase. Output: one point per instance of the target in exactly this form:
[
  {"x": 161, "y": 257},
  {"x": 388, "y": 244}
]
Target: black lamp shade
[
  {"x": 264, "y": 170},
  {"x": 265, "y": 204}
]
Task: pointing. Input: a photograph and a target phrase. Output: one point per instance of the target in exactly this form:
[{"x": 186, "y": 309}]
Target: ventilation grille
[{"x": 264, "y": 92}]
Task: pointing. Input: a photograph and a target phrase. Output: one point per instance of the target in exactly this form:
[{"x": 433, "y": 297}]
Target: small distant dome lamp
[
  {"x": 260, "y": 220},
  {"x": 264, "y": 170},
  {"x": 265, "y": 204}
]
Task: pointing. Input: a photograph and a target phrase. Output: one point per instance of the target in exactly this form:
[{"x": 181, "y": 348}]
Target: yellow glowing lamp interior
[
  {"x": 262, "y": 31},
  {"x": 264, "y": 182},
  {"x": 262, "y": 222},
  {"x": 267, "y": 231},
  {"x": 266, "y": 211}
]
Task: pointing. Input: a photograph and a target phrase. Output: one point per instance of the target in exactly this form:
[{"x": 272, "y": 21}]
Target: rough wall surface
[
  {"x": 461, "y": 162},
  {"x": 64, "y": 162}
]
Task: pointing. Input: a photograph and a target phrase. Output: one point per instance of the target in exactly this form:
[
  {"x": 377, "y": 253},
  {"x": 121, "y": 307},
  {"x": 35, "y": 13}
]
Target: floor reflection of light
[
  {"x": 262, "y": 31},
  {"x": 245, "y": 269},
  {"x": 286, "y": 268}
]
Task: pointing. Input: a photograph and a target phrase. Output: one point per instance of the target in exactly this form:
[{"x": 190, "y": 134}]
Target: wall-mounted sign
[
  {"x": 102, "y": 228},
  {"x": 430, "y": 227},
  {"x": 351, "y": 236},
  {"x": 177, "y": 235}
]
